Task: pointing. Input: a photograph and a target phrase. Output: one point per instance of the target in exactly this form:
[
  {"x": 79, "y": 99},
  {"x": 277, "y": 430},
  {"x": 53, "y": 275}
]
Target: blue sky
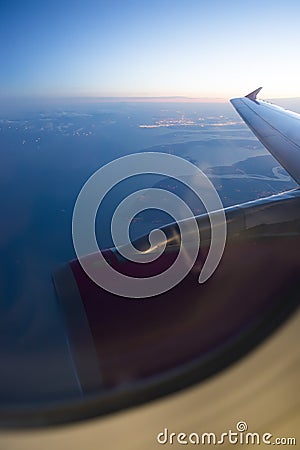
[{"x": 193, "y": 48}]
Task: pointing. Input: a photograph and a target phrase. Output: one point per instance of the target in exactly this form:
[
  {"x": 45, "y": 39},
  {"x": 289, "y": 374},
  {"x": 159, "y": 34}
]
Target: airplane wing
[{"x": 276, "y": 128}]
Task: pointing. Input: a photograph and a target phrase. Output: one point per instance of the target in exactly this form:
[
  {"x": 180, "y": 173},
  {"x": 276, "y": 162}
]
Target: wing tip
[{"x": 253, "y": 95}]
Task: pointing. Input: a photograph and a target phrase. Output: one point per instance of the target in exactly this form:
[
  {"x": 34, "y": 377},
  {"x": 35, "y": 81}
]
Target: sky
[{"x": 192, "y": 48}]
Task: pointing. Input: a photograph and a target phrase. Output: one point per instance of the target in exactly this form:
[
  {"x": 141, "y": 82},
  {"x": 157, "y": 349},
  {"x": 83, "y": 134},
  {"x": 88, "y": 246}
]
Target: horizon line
[
  {"x": 116, "y": 98},
  {"x": 137, "y": 99}
]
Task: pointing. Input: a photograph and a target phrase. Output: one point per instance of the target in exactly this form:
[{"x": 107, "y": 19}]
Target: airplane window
[{"x": 71, "y": 349}]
